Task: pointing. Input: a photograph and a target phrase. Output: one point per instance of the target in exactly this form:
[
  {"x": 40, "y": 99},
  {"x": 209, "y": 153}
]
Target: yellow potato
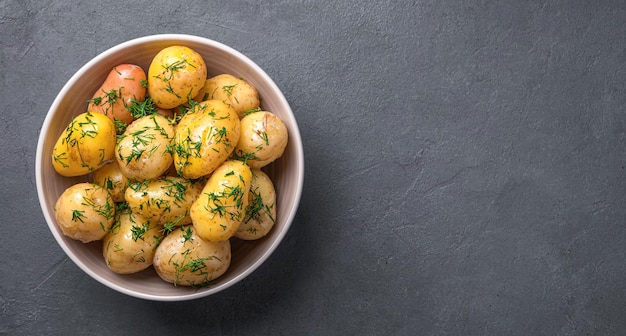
[
  {"x": 143, "y": 151},
  {"x": 220, "y": 209},
  {"x": 131, "y": 244},
  {"x": 85, "y": 145},
  {"x": 263, "y": 139},
  {"x": 164, "y": 201},
  {"x": 85, "y": 212},
  {"x": 175, "y": 76},
  {"x": 111, "y": 178},
  {"x": 261, "y": 210},
  {"x": 236, "y": 92},
  {"x": 205, "y": 137},
  {"x": 183, "y": 258}
]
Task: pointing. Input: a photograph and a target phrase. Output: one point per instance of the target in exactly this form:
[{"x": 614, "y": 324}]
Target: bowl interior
[{"x": 286, "y": 173}]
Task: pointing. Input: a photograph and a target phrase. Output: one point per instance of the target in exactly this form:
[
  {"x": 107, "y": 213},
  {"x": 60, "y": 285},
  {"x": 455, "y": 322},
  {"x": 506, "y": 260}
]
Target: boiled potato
[
  {"x": 220, "y": 209},
  {"x": 85, "y": 212},
  {"x": 263, "y": 139},
  {"x": 131, "y": 244},
  {"x": 143, "y": 151},
  {"x": 175, "y": 76},
  {"x": 85, "y": 145},
  {"x": 164, "y": 201},
  {"x": 111, "y": 178},
  {"x": 236, "y": 92},
  {"x": 205, "y": 137},
  {"x": 123, "y": 86},
  {"x": 183, "y": 258},
  {"x": 261, "y": 210}
]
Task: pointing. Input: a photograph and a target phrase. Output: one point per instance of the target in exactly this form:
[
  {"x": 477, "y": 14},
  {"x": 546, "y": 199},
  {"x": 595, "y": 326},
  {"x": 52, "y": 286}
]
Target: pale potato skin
[
  {"x": 143, "y": 151},
  {"x": 220, "y": 209},
  {"x": 164, "y": 201},
  {"x": 185, "y": 259},
  {"x": 261, "y": 211},
  {"x": 85, "y": 145},
  {"x": 236, "y": 92},
  {"x": 130, "y": 245},
  {"x": 111, "y": 178},
  {"x": 85, "y": 212},
  {"x": 119, "y": 89},
  {"x": 175, "y": 76},
  {"x": 262, "y": 140},
  {"x": 205, "y": 137}
]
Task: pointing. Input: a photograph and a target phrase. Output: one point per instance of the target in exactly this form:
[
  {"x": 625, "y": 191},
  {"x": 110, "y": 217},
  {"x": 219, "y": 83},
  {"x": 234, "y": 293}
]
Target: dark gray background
[{"x": 465, "y": 167}]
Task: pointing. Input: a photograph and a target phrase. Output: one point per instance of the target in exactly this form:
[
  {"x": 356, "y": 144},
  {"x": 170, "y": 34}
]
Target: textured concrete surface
[{"x": 465, "y": 167}]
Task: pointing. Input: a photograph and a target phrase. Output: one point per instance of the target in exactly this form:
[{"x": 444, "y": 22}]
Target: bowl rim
[{"x": 294, "y": 138}]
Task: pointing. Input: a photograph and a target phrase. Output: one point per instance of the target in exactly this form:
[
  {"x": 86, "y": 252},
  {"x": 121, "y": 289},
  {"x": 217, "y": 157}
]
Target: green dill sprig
[
  {"x": 243, "y": 156},
  {"x": 138, "y": 231},
  {"x": 250, "y": 111},
  {"x": 139, "y": 109}
]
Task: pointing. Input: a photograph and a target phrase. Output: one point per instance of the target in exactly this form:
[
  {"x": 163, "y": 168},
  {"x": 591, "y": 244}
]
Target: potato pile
[{"x": 175, "y": 162}]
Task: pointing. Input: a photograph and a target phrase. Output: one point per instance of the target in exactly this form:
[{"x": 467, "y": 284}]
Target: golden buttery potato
[
  {"x": 261, "y": 210},
  {"x": 183, "y": 258},
  {"x": 130, "y": 245},
  {"x": 175, "y": 76},
  {"x": 85, "y": 145},
  {"x": 205, "y": 137},
  {"x": 220, "y": 209},
  {"x": 85, "y": 212},
  {"x": 235, "y": 92},
  {"x": 143, "y": 151},
  {"x": 163, "y": 201},
  {"x": 263, "y": 139}
]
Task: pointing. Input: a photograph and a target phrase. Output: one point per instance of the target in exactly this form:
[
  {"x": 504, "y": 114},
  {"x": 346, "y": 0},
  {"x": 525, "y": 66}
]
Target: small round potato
[
  {"x": 261, "y": 210},
  {"x": 144, "y": 150},
  {"x": 122, "y": 86},
  {"x": 262, "y": 139},
  {"x": 131, "y": 244},
  {"x": 236, "y": 92},
  {"x": 183, "y": 258},
  {"x": 205, "y": 137},
  {"x": 85, "y": 145},
  {"x": 220, "y": 209},
  {"x": 175, "y": 76},
  {"x": 111, "y": 178},
  {"x": 85, "y": 212},
  {"x": 164, "y": 201}
]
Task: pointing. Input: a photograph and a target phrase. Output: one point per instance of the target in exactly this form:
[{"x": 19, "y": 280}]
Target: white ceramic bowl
[{"x": 287, "y": 172}]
